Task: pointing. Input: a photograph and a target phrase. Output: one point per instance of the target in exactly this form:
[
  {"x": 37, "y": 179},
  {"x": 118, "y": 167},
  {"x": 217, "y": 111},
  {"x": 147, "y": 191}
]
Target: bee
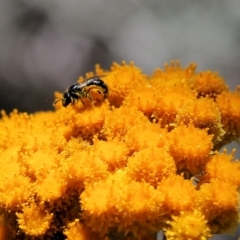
[{"x": 81, "y": 91}]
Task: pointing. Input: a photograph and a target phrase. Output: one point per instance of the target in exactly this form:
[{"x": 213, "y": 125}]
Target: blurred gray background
[{"x": 45, "y": 45}]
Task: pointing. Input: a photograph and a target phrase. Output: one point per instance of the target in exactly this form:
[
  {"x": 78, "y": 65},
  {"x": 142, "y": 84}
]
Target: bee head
[{"x": 67, "y": 99}]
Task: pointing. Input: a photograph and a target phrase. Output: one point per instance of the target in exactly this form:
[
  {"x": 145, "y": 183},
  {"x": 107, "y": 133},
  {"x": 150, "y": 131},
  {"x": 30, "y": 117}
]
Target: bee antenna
[
  {"x": 48, "y": 99},
  {"x": 96, "y": 76},
  {"x": 57, "y": 100}
]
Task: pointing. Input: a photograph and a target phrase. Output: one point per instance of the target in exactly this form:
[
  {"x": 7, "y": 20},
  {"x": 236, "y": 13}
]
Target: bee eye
[{"x": 66, "y": 99}]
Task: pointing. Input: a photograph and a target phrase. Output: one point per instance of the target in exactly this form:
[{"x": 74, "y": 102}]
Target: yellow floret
[
  {"x": 77, "y": 121},
  {"x": 113, "y": 152},
  {"x": 188, "y": 225},
  {"x": 116, "y": 126},
  {"x": 219, "y": 167},
  {"x": 142, "y": 212},
  {"x": 84, "y": 167},
  {"x": 151, "y": 165},
  {"x": 99, "y": 203},
  {"x": 190, "y": 147},
  {"x": 144, "y": 135},
  {"x": 121, "y": 80},
  {"x": 228, "y": 104},
  {"x": 179, "y": 194},
  {"x": 203, "y": 113},
  {"x": 173, "y": 75},
  {"x": 144, "y": 98},
  {"x": 169, "y": 102},
  {"x": 38, "y": 164},
  {"x": 209, "y": 84},
  {"x": 121, "y": 203},
  {"x": 15, "y": 186},
  {"x": 34, "y": 220},
  {"x": 52, "y": 186},
  {"x": 218, "y": 202},
  {"x": 77, "y": 231}
]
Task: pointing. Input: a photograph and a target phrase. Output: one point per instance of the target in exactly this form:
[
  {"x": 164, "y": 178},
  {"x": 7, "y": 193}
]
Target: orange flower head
[
  {"x": 77, "y": 231},
  {"x": 219, "y": 207},
  {"x": 219, "y": 167},
  {"x": 121, "y": 203},
  {"x": 190, "y": 148},
  {"x": 15, "y": 187},
  {"x": 144, "y": 135},
  {"x": 169, "y": 101},
  {"x": 151, "y": 165},
  {"x": 99, "y": 202},
  {"x": 116, "y": 126},
  {"x": 130, "y": 155},
  {"x": 203, "y": 113},
  {"x": 114, "y": 153},
  {"x": 188, "y": 225},
  {"x": 77, "y": 121},
  {"x": 179, "y": 194},
  {"x": 121, "y": 80},
  {"x": 228, "y": 104},
  {"x": 144, "y": 97},
  {"x": 83, "y": 167},
  {"x": 141, "y": 205},
  {"x": 34, "y": 220},
  {"x": 173, "y": 75},
  {"x": 209, "y": 84}
]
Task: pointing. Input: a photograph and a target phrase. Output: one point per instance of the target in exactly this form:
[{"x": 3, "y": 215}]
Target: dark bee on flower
[{"x": 84, "y": 90}]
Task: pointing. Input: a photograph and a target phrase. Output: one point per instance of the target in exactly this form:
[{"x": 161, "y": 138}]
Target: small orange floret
[
  {"x": 173, "y": 75},
  {"x": 190, "y": 147},
  {"x": 169, "y": 102},
  {"x": 209, "y": 84},
  {"x": 218, "y": 201},
  {"x": 15, "y": 187},
  {"x": 133, "y": 208},
  {"x": 144, "y": 135},
  {"x": 77, "y": 231},
  {"x": 84, "y": 167},
  {"x": 203, "y": 113},
  {"x": 99, "y": 202},
  {"x": 179, "y": 194},
  {"x": 141, "y": 205},
  {"x": 151, "y": 165},
  {"x": 82, "y": 122},
  {"x": 219, "y": 167},
  {"x": 116, "y": 125},
  {"x": 34, "y": 220},
  {"x": 113, "y": 152},
  {"x": 229, "y": 106},
  {"x": 144, "y": 97},
  {"x": 121, "y": 80},
  {"x": 188, "y": 225},
  {"x": 57, "y": 180}
]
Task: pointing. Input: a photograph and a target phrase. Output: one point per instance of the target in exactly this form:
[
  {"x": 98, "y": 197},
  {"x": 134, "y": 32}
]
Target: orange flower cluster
[{"x": 143, "y": 160}]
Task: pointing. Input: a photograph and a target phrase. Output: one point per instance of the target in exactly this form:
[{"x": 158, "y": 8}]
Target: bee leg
[
  {"x": 82, "y": 102},
  {"x": 73, "y": 100},
  {"x": 100, "y": 92},
  {"x": 89, "y": 96}
]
